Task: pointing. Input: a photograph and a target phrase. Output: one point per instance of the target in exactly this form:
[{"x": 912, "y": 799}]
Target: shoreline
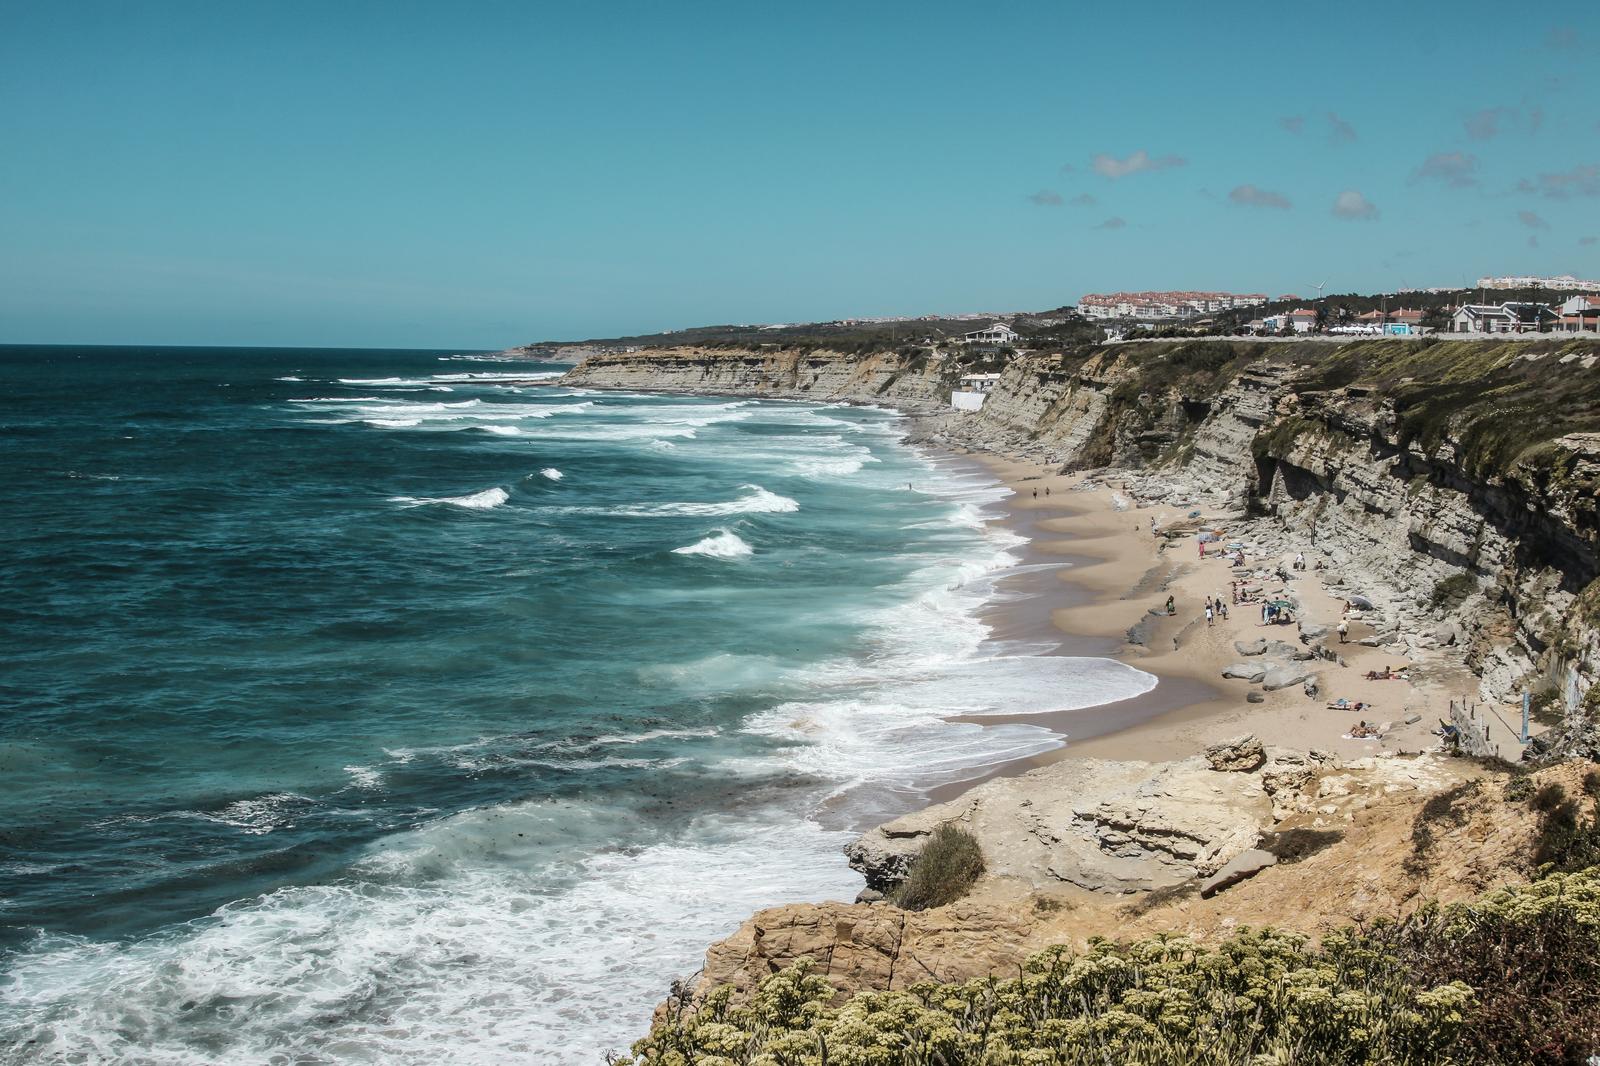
[{"x": 1091, "y": 571}]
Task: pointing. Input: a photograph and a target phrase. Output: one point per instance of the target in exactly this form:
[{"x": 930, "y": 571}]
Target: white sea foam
[
  {"x": 450, "y": 945},
  {"x": 477, "y": 501},
  {"x": 523, "y": 932},
  {"x": 288, "y": 377},
  {"x": 502, "y": 431},
  {"x": 756, "y": 501},
  {"x": 720, "y": 545},
  {"x": 552, "y": 473}
]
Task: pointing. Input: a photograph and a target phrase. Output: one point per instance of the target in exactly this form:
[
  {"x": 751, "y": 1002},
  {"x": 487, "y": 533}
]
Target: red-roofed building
[{"x": 1581, "y": 314}]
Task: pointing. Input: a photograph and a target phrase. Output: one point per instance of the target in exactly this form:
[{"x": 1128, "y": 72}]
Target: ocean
[{"x": 387, "y": 706}]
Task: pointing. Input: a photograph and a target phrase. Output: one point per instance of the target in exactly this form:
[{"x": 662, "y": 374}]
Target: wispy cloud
[
  {"x": 1351, "y": 205},
  {"x": 1112, "y": 167},
  {"x": 1587, "y": 241},
  {"x": 1581, "y": 180},
  {"x": 1113, "y": 223},
  {"x": 1456, "y": 169},
  {"x": 1083, "y": 199},
  {"x": 1563, "y": 38},
  {"x": 1293, "y": 123},
  {"x": 1484, "y": 125},
  {"x": 1253, "y": 196},
  {"x": 1045, "y": 198},
  {"x": 1340, "y": 130},
  {"x": 1531, "y": 220}
]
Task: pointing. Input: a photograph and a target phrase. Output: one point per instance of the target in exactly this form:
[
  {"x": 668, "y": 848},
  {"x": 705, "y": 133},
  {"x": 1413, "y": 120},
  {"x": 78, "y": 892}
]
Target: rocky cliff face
[{"x": 1453, "y": 484}]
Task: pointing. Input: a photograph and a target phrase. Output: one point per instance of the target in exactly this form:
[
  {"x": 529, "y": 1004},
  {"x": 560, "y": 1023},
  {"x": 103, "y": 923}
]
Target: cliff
[{"x": 1454, "y": 484}]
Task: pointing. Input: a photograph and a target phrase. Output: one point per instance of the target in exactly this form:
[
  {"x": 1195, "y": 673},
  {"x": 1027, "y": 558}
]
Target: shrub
[
  {"x": 1451, "y": 591},
  {"x": 943, "y": 871},
  {"x": 1512, "y": 977}
]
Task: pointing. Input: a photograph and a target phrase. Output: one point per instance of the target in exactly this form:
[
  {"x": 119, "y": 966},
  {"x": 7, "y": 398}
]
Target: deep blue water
[{"x": 375, "y": 706}]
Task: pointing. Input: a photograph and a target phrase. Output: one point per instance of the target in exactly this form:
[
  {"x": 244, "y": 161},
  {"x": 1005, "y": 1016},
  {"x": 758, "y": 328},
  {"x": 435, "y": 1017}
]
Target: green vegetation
[
  {"x": 1449, "y": 592},
  {"x": 943, "y": 871},
  {"x": 1501, "y": 402},
  {"x": 1513, "y": 977}
]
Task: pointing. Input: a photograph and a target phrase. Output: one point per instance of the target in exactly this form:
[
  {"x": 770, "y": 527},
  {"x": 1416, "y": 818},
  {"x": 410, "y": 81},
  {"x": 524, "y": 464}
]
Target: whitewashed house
[
  {"x": 975, "y": 388},
  {"x": 997, "y": 335},
  {"x": 1581, "y": 314}
]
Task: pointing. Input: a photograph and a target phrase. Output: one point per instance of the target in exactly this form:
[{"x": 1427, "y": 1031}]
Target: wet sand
[{"x": 1093, "y": 569}]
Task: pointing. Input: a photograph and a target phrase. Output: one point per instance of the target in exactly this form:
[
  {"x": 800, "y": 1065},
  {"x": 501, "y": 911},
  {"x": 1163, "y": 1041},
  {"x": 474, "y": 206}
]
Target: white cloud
[
  {"x": 1112, "y": 223},
  {"x": 1045, "y": 198},
  {"x": 1112, "y": 167},
  {"x": 1252, "y": 196},
  {"x": 1350, "y": 204},
  {"x": 1456, "y": 169}
]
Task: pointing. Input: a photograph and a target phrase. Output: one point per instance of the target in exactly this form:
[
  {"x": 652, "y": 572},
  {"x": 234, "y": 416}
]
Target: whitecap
[
  {"x": 477, "y": 501},
  {"x": 552, "y": 473},
  {"x": 720, "y": 545}
]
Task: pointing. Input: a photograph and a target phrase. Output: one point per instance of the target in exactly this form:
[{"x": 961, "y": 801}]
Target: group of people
[
  {"x": 1214, "y": 608},
  {"x": 1274, "y": 615}
]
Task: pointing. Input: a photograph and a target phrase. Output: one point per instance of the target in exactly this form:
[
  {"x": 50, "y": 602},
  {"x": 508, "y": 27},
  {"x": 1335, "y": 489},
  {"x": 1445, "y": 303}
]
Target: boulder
[
  {"x": 1239, "y": 754},
  {"x": 1281, "y": 650},
  {"x": 1254, "y": 697},
  {"x": 1251, "y": 672},
  {"x": 1284, "y": 675},
  {"x": 1250, "y": 647},
  {"x": 1241, "y": 867},
  {"x": 1313, "y": 632}
]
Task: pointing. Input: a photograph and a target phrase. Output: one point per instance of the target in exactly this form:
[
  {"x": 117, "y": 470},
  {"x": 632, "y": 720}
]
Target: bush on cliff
[
  {"x": 1511, "y": 977},
  {"x": 943, "y": 871}
]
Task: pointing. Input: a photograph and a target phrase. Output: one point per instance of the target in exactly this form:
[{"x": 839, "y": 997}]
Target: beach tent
[
  {"x": 1207, "y": 536},
  {"x": 1358, "y": 600},
  {"x": 1282, "y": 605}
]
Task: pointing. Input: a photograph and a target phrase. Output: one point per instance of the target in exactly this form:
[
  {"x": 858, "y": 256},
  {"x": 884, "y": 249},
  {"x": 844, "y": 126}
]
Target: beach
[{"x": 1110, "y": 571}]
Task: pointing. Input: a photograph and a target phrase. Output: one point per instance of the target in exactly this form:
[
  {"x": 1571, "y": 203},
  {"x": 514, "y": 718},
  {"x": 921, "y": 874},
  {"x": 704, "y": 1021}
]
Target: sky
[{"x": 483, "y": 174}]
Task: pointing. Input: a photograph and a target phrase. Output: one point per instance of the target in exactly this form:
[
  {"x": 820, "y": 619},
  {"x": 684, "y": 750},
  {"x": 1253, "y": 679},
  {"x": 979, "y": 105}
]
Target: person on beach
[
  {"x": 1036, "y": 494},
  {"x": 1344, "y": 629},
  {"x": 1208, "y": 614},
  {"x": 1263, "y": 612},
  {"x": 1299, "y": 560},
  {"x": 1171, "y": 607},
  {"x": 1222, "y": 609}
]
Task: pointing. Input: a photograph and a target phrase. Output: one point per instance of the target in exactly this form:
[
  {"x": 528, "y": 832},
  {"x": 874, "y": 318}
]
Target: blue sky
[{"x": 484, "y": 174}]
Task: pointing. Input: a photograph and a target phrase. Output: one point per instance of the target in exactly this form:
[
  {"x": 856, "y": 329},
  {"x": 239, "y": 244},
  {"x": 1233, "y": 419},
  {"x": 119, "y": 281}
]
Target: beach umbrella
[{"x": 1282, "y": 603}]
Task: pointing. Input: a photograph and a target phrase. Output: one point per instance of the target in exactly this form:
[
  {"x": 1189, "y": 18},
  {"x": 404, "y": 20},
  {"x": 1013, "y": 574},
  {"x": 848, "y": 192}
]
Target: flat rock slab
[
  {"x": 1251, "y": 672},
  {"x": 1241, "y": 867},
  {"x": 1284, "y": 675},
  {"x": 1250, "y": 647}
]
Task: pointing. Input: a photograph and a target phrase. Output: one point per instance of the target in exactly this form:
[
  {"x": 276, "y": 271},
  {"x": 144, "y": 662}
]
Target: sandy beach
[{"x": 1113, "y": 570}]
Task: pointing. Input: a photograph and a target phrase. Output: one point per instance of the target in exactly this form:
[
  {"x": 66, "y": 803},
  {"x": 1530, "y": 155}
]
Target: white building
[
  {"x": 997, "y": 334},
  {"x": 1160, "y": 305},
  {"x": 975, "y": 388},
  {"x": 1580, "y": 314},
  {"x": 1561, "y": 283}
]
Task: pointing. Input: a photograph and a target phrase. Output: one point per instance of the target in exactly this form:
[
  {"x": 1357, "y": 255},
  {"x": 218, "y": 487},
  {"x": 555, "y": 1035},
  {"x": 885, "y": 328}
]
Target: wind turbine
[{"x": 1319, "y": 289}]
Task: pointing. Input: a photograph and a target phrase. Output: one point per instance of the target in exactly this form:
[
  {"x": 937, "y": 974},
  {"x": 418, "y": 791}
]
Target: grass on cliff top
[
  {"x": 946, "y": 868},
  {"x": 1513, "y": 977},
  {"x": 1499, "y": 401}
]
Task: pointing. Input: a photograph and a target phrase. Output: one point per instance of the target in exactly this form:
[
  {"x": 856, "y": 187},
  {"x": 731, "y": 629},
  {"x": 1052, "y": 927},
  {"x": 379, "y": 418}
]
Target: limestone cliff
[{"x": 1454, "y": 484}]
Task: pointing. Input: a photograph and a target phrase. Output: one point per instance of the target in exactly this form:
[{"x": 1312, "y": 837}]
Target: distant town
[{"x": 1497, "y": 304}]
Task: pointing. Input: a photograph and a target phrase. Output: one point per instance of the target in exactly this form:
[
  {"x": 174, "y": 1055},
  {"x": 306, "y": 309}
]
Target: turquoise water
[{"x": 382, "y": 706}]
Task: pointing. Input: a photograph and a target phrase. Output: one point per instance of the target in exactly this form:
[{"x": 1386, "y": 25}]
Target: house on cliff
[
  {"x": 1504, "y": 318},
  {"x": 995, "y": 335},
  {"x": 1581, "y": 314}
]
